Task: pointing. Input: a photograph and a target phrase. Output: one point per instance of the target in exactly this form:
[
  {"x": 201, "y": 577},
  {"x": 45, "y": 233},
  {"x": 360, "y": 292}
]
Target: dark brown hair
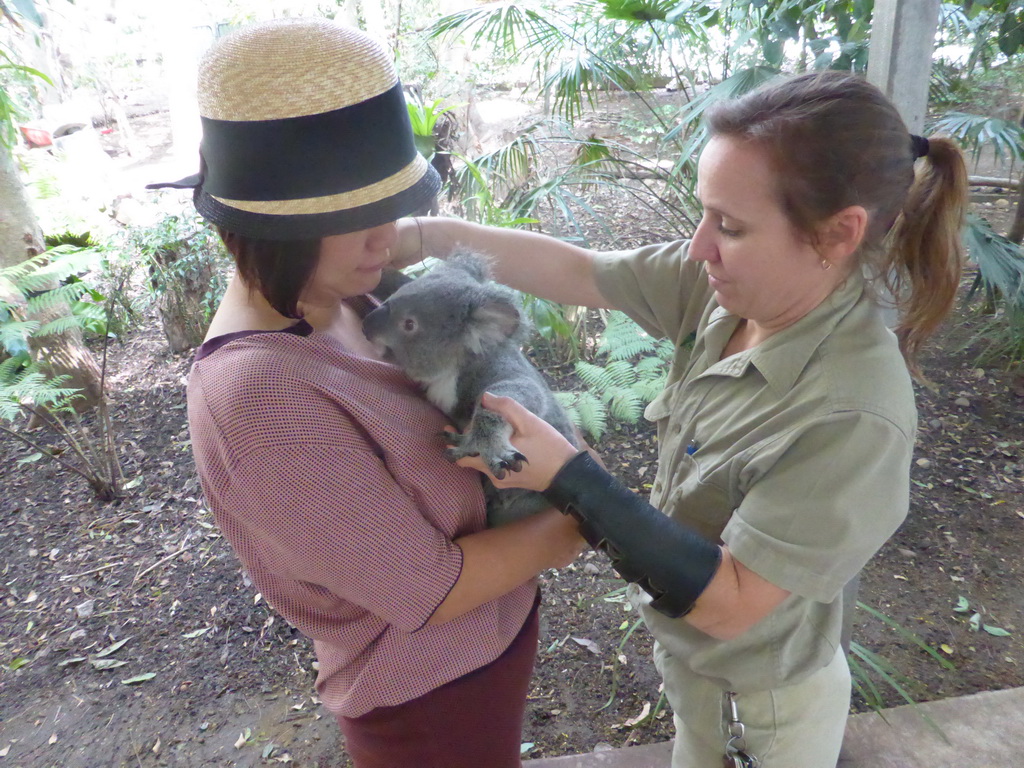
[
  {"x": 834, "y": 141},
  {"x": 278, "y": 269}
]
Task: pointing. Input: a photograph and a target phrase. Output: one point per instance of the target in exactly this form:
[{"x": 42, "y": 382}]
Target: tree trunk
[
  {"x": 1016, "y": 233},
  {"x": 20, "y": 239},
  {"x": 182, "y": 314}
]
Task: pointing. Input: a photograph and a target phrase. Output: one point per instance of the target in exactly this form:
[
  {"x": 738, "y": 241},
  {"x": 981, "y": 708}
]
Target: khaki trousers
[{"x": 798, "y": 726}]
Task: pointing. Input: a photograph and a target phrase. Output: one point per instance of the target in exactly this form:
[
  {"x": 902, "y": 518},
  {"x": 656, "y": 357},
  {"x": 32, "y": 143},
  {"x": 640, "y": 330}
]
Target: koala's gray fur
[{"x": 458, "y": 335}]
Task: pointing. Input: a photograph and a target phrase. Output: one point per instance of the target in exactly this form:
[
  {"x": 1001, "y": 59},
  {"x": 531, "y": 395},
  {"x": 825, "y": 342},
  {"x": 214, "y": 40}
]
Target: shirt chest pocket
[{"x": 694, "y": 498}]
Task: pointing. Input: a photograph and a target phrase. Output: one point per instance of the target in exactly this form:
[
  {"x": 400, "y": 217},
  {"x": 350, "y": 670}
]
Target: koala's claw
[{"x": 514, "y": 463}]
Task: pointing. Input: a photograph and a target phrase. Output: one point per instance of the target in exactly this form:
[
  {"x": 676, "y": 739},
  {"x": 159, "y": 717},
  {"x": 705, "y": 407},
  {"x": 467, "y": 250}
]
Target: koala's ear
[
  {"x": 491, "y": 323},
  {"x": 472, "y": 264}
]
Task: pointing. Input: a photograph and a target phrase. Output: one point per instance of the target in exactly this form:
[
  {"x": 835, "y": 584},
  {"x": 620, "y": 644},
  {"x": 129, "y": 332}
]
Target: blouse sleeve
[{"x": 337, "y": 519}]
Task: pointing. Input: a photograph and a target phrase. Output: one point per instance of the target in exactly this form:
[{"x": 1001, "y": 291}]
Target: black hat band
[{"x": 311, "y": 155}]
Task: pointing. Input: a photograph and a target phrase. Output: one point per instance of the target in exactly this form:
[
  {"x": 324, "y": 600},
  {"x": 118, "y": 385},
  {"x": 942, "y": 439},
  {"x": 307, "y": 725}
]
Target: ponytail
[{"x": 924, "y": 251}]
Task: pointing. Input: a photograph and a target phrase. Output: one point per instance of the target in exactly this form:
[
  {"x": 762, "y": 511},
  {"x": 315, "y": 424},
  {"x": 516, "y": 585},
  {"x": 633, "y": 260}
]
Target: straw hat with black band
[{"x": 305, "y": 134}]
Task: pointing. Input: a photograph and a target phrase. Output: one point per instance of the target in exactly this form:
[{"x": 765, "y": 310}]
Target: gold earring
[{"x": 826, "y": 264}]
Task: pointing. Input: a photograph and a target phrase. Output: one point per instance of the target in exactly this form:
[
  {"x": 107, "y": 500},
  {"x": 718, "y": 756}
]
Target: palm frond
[
  {"x": 1000, "y": 261},
  {"x": 639, "y": 10},
  {"x": 513, "y": 28},
  {"x": 690, "y": 118},
  {"x": 584, "y": 73},
  {"x": 976, "y": 132}
]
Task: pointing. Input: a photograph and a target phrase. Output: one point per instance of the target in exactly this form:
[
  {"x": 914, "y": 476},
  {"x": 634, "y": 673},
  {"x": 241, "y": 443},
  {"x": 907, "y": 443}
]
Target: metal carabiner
[{"x": 736, "y": 755}]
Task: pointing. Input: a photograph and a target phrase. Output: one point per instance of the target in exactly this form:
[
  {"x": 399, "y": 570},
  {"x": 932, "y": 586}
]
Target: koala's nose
[{"x": 375, "y": 322}]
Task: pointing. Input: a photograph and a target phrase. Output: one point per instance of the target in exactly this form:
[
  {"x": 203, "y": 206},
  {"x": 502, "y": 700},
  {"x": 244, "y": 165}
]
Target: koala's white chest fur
[{"x": 441, "y": 390}]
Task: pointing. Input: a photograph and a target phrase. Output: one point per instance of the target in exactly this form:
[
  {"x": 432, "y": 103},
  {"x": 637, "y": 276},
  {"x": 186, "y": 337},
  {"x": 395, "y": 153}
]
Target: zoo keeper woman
[
  {"x": 785, "y": 433},
  {"x": 323, "y": 465}
]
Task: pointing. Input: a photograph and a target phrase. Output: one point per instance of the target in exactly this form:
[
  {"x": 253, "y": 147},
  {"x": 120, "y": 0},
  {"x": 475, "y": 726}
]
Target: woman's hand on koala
[{"x": 545, "y": 449}]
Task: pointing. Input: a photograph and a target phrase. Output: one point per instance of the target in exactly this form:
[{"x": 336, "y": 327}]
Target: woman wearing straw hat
[{"x": 322, "y": 464}]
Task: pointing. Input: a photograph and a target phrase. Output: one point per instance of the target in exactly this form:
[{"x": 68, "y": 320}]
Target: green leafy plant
[
  {"x": 1000, "y": 280},
  {"x": 634, "y": 373},
  {"x": 424, "y": 119},
  {"x": 977, "y": 132},
  {"x": 186, "y": 266},
  {"x": 86, "y": 446},
  {"x": 870, "y": 672}
]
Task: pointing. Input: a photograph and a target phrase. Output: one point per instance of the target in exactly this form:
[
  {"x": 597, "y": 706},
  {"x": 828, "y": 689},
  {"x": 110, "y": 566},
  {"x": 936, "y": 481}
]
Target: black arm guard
[{"x": 670, "y": 562}]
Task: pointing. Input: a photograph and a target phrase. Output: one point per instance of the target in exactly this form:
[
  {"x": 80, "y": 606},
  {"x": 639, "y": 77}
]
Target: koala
[{"x": 458, "y": 335}]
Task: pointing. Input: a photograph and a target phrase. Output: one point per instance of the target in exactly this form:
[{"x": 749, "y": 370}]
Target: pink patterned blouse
[{"x": 325, "y": 472}]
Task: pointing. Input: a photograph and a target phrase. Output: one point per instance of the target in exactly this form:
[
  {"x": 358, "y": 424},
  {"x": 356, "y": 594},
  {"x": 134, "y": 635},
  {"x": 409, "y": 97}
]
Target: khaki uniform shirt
[{"x": 795, "y": 454}]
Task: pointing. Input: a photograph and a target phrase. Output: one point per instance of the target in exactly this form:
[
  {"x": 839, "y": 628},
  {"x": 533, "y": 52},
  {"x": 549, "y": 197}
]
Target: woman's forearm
[
  {"x": 497, "y": 560},
  {"x": 527, "y": 261}
]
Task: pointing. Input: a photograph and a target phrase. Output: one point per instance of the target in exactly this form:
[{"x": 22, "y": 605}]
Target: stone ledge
[{"x": 985, "y": 730}]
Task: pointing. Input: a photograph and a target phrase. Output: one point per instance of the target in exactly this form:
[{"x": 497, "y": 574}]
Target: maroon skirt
[{"x": 475, "y": 721}]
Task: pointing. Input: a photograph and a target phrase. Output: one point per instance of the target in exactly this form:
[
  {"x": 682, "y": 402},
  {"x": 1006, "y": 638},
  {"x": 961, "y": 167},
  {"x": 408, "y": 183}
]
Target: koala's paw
[
  {"x": 511, "y": 460},
  {"x": 499, "y": 458}
]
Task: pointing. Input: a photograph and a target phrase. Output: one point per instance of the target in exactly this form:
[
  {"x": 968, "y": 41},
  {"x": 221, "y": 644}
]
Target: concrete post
[{"x": 900, "y": 55}]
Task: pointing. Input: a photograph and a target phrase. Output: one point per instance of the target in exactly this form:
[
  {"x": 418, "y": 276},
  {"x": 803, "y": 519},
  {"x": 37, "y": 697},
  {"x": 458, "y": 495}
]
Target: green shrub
[{"x": 618, "y": 391}]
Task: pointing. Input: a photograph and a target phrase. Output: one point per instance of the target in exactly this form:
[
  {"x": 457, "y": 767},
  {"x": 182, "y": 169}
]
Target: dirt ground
[{"x": 129, "y": 636}]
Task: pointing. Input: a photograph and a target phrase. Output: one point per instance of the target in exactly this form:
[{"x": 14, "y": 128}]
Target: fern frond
[
  {"x": 568, "y": 402},
  {"x": 624, "y": 405},
  {"x": 593, "y": 415},
  {"x": 14, "y": 335},
  {"x": 648, "y": 389},
  {"x": 59, "y": 263},
  {"x": 90, "y": 312},
  {"x": 623, "y": 339},
  {"x": 622, "y": 373},
  {"x": 9, "y": 409},
  {"x": 594, "y": 376},
  {"x": 32, "y": 385},
  {"x": 12, "y": 367},
  {"x": 62, "y": 295},
  {"x": 61, "y": 325},
  {"x": 665, "y": 349},
  {"x": 648, "y": 368}
]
